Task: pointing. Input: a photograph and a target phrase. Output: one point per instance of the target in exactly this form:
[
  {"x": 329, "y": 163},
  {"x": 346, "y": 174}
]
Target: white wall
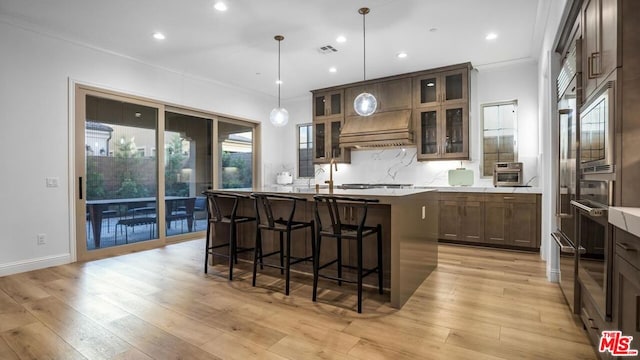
[
  {"x": 488, "y": 84},
  {"x": 547, "y": 68},
  {"x": 36, "y": 70}
]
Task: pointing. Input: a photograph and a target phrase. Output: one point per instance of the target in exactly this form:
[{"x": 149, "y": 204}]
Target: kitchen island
[{"x": 409, "y": 218}]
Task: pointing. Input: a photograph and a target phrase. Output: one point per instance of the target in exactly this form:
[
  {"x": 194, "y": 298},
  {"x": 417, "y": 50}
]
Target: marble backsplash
[{"x": 397, "y": 166}]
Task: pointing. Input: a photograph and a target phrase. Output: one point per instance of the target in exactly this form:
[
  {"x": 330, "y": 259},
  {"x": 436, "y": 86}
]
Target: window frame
[
  {"x": 309, "y": 142},
  {"x": 513, "y": 102}
]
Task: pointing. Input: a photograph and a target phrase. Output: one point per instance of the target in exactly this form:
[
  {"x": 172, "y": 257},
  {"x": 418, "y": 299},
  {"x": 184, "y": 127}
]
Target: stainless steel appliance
[
  {"x": 507, "y": 174},
  {"x": 594, "y": 235},
  {"x": 597, "y": 132},
  {"x": 567, "y": 190}
]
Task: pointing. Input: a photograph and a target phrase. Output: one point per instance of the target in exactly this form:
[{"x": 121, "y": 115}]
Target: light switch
[{"x": 52, "y": 182}]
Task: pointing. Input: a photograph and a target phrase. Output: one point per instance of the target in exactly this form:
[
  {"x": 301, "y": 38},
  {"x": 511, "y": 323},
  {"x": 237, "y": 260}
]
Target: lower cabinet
[
  {"x": 626, "y": 286},
  {"x": 461, "y": 217},
  {"x": 510, "y": 220}
]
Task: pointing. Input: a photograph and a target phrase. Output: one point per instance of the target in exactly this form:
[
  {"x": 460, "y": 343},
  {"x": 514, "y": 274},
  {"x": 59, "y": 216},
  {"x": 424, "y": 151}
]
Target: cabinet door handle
[
  {"x": 596, "y": 63},
  {"x": 591, "y": 65},
  {"x": 509, "y": 198},
  {"x": 626, "y": 247}
]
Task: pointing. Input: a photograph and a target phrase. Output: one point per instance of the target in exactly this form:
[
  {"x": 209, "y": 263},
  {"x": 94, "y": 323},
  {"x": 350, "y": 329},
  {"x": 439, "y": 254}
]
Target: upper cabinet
[
  {"x": 441, "y": 88},
  {"x": 328, "y": 104},
  {"x": 391, "y": 95},
  {"x": 427, "y": 108},
  {"x": 441, "y": 115},
  {"x": 328, "y": 118},
  {"x": 599, "y": 43}
]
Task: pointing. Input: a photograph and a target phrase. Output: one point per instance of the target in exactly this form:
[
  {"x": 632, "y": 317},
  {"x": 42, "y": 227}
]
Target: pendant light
[
  {"x": 365, "y": 104},
  {"x": 279, "y": 116}
]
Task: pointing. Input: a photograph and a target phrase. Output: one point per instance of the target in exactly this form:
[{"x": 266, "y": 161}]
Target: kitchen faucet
[{"x": 330, "y": 181}]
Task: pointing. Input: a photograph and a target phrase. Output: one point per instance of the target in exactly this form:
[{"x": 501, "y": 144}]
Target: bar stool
[
  {"x": 267, "y": 221},
  {"x": 217, "y": 216},
  {"x": 339, "y": 231}
]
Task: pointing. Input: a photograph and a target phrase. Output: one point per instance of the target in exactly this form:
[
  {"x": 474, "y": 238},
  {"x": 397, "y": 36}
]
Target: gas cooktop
[{"x": 375, "y": 186}]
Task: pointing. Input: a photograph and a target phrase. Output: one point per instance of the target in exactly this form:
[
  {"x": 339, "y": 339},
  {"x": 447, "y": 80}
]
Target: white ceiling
[{"x": 236, "y": 47}]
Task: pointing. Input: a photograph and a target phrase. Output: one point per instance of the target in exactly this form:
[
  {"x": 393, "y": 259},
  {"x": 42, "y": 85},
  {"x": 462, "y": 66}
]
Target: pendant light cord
[
  {"x": 279, "y": 81},
  {"x": 364, "y": 48}
]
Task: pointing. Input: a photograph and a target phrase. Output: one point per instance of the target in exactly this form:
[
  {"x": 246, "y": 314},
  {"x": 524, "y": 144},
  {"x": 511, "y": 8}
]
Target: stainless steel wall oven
[{"x": 595, "y": 237}]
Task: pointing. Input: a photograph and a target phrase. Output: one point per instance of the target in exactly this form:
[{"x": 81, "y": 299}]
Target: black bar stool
[
  {"x": 217, "y": 216},
  {"x": 266, "y": 221},
  {"x": 339, "y": 231}
]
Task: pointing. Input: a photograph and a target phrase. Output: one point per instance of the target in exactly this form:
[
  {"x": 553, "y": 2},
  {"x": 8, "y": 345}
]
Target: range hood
[{"x": 383, "y": 129}]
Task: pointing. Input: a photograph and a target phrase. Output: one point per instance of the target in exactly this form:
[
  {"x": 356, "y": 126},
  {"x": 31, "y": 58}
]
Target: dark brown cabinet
[
  {"x": 461, "y": 217},
  {"x": 391, "y": 95},
  {"x": 512, "y": 220},
  {"x": 326, "y": 142},
  {"x": 599, "y": 42},
  {"x": 328, "y": 117},
  {"x": 328, "y": 104},
  {"x": 626, "y": 285},
  {"x": 441, "y": 114}
]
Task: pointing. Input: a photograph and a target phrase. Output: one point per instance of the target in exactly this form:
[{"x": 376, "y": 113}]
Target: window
[
  {"x": 305, "y": 151},
  {"x": 499, "y": 134}
]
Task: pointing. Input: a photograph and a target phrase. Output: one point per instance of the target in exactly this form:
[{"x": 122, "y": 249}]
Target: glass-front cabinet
[
  {"x": 328, "y": 117},
  {"x": 441, "y": 88},
  {"x": 443, "y": 132},
  {"x": 328, "y": 104},
  {"x": 327, "y": 142},
  {"x": 441, "y": 114}
]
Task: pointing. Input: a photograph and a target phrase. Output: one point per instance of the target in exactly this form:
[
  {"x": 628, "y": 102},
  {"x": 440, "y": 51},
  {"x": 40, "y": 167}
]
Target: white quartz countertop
[
  {"x": 626, "y": 218},
  {"x": 492, "y": 189},
  {"x": 290, "y": 189}
]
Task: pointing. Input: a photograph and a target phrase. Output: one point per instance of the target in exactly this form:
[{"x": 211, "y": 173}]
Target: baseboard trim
[
  {"x": 553, "y": 275},
  {"x": 34, "y": 264}
]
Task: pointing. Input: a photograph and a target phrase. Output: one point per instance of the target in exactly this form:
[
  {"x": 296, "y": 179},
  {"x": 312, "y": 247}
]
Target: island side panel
[{"x": 414, "y": 245}]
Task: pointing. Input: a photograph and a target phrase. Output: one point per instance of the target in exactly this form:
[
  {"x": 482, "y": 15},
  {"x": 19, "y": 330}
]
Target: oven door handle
[
  {"x": 564, "y": 246},
  {"x": 595, "y": 212}
]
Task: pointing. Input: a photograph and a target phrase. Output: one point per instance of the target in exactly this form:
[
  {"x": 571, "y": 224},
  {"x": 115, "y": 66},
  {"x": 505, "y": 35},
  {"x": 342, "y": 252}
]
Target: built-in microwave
[
  {"x": 597, "y": 132},
  {"x": 507, "y": 174}
]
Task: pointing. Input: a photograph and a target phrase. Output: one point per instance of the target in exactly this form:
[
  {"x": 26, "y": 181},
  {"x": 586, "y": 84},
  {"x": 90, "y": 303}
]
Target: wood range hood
[{"x": 382, "y": 129}]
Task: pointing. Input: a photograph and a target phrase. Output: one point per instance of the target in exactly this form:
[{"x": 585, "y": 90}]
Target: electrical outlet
[
  {"x": 52, "y": 182},
  {"x": 42, "y": 239}
]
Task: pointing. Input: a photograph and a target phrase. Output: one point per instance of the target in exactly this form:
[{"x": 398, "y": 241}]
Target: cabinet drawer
[
  {"x": 454, "y": 196},
  {"x": 519, "y": 198},
  {"x": 627, "y": 247},
  {"x": 592, "y": 321}
]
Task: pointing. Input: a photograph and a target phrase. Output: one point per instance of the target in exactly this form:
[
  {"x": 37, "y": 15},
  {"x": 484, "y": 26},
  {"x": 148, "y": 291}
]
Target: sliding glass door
[
  {"x": 141, "y": 167},
  {"x": 117, "y": 168},
  {"x": 188, "y": 165}
]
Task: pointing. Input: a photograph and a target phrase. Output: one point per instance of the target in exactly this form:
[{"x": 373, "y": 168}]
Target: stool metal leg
[
  {"x": 288, "y": 265},
  {"x": 316, "y": 264},
  {"x": 281, "y": 252},
  {"x": 339, "y": 251},
  {"x": 379, "y": 238},
  {"x": 206, "y": 247},
  {"x": 257, "y": 255},
  {"x": 359, "y": 241},
  {"x": 232, "y": 248}
]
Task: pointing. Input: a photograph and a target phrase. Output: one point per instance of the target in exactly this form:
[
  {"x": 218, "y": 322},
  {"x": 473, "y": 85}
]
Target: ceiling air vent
[{"x": 327, "y": 49}]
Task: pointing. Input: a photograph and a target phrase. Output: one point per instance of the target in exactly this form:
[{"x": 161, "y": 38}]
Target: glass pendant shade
[
  {"x": 279, "y": 116},
  {"x": 365, "y": 104}
]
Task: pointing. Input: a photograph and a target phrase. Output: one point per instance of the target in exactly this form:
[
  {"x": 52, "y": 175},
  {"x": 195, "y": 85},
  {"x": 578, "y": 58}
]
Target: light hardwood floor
[{"x": 158, "y": 304}]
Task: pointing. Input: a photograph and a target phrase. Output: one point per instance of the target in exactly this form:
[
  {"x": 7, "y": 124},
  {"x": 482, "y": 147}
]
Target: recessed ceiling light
[
  {"x": 491, "y": 36},
  {"x": 220, "y": 6},
  {"x": 433, "y": 29},
  {"x": 158, "y": 36},
  {"x": 332, "y": 69},
  {"x": 341, "y": 39},
  {"x": 279, "y": 82},
  {"x": 401, "y": 55}
]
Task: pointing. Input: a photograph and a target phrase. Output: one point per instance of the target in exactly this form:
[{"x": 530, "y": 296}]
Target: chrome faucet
[{"x": 330, "y": 181}]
